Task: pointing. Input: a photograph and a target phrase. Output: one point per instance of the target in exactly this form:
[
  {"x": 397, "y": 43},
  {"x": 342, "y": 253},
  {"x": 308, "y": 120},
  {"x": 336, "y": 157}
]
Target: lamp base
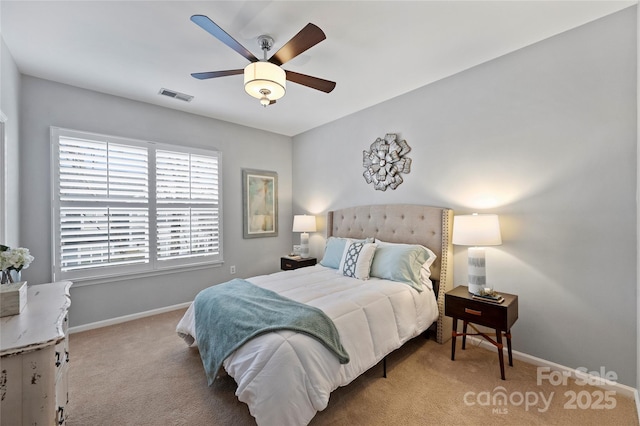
[
  {"x": 476, "y": 270},
  {"x": 304, "y": 245},
  {"x": 476, "y": 289}
]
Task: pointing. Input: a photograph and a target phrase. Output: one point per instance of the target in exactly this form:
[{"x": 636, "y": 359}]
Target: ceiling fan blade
[
  {"x": 313, "y": 82},
  {"x": 212, "y": 28},
  {"x": 214, "y": 74},
  {"x": 308, "y": 37}
]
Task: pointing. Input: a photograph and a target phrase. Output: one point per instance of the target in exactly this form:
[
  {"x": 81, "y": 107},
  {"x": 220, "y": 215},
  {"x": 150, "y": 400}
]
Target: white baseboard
[
  {"x": 127, "y": 318},
  {"x": 624, "y": 390}
]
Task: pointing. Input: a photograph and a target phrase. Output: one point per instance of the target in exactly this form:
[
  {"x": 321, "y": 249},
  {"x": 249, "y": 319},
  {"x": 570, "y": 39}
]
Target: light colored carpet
[{"x": 142, "y": 373}]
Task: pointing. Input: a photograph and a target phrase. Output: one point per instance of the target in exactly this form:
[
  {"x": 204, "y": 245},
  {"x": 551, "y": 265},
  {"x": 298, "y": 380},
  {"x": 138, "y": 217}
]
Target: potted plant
[{"x": 12, "y": 262}]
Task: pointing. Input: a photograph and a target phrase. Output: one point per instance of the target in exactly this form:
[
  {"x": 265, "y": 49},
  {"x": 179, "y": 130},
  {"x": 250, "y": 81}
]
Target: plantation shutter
[
  {"x": 188, "y": 211},
  {"x": 123, "y": 206},
  {"x": 96, "y": 179}
]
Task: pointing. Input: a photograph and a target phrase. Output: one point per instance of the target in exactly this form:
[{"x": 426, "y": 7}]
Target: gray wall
[
  {"x": 546, "y": 138},
  {"x": 10, "y": 107},
  {"x": 45, "y": 103}
]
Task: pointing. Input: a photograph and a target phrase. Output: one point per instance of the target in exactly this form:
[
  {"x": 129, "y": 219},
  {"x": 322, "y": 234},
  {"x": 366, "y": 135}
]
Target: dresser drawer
[
  {"x": 61, "y": 356},
  {"x": 62, "y": 396}
]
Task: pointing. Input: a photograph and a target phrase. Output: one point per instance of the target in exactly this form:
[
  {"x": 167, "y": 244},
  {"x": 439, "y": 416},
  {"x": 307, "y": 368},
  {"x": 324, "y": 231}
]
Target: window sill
[{"x": 81, "y": 282}]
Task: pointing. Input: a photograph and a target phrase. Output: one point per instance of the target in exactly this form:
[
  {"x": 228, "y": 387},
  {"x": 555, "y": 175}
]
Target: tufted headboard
[{"x": 409, "y": 224}]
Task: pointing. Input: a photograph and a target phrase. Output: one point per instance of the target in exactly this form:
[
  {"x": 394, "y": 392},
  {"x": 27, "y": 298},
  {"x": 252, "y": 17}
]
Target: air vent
[{"x": 176, "y": 95}]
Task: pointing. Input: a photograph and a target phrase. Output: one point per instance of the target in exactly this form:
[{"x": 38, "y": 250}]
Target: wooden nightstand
[
  {"x": 459, "y": 304},
  {"x": 287, "y": 263}
]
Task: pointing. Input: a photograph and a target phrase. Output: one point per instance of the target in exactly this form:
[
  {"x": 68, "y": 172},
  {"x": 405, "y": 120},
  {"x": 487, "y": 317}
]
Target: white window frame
[{"x": 154, "y": 265}]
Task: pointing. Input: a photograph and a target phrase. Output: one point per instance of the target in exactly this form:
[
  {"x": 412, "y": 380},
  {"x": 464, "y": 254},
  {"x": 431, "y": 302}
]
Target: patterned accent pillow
[
  {"x": 351, "y": 258},
  {"x": 334, "y": 249},
  {"x": 356, "y": 260}
]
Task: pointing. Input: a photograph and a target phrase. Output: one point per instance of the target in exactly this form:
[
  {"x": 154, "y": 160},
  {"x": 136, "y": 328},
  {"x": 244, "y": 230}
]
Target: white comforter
[{"x": 286, "y": 377}]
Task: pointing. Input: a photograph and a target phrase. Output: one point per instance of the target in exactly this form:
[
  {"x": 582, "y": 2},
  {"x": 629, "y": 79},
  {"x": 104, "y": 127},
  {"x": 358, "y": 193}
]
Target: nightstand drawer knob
[{"x": 472, "y": 312}]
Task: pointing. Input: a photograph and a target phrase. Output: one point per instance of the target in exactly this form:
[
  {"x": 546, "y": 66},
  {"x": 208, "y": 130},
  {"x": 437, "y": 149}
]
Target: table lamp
[
  {"x": 304, "y": 223},
  {"x": 476, "y": 230}
]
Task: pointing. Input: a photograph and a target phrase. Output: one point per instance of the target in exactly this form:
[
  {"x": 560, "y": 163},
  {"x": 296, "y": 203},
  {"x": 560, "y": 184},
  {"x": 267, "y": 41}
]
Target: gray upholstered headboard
[{"x": 405, "y": 223}]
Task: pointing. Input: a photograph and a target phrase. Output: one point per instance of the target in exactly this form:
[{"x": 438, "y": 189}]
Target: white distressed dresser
[{"x": 34, "y": 357}]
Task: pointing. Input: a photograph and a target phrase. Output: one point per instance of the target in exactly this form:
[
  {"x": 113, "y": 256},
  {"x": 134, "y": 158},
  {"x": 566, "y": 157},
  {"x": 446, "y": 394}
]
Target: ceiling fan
[{"x": 265, "y": 79}]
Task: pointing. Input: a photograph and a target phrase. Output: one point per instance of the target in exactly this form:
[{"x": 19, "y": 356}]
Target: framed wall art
[{"x": 259, "y": 203}]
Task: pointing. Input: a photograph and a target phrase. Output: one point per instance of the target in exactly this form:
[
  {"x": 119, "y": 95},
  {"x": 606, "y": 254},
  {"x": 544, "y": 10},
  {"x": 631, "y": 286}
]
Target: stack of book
[{"x": 492, "y": 298}]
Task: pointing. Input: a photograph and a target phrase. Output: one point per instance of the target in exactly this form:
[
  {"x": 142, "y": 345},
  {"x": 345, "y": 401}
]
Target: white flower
[{"x": 18, "y": 259}]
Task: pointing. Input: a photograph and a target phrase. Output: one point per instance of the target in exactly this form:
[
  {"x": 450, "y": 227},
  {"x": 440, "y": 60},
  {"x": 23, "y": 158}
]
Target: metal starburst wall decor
[{"x": 385, "y": 162}]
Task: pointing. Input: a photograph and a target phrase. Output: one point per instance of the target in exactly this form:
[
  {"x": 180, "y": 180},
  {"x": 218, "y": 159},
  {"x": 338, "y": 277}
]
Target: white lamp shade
[
  {"x": 264, "y": 76},
  {"x": 476, "y": 230},
  {"x": 304, "y": 223}
]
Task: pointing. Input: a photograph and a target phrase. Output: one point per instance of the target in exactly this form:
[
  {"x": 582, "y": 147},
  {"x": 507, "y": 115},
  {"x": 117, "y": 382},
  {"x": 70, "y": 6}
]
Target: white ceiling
[{"x": 374, "y": 50}]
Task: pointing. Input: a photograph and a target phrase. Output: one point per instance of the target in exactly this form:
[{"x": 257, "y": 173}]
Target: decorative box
[{"x": 13, "y": 297}]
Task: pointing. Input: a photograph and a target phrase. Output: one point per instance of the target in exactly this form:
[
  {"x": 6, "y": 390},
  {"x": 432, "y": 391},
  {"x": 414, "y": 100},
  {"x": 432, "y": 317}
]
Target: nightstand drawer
[
  {"x": 459, "y": 304},
  {"x": 287, "y": 264},
  {"x": 481, "y": 313}
]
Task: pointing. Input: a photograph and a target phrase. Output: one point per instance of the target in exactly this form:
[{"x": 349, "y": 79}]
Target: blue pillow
[
  {"x": 400, "y": 262},
  {"x": 333, "y": 252}
]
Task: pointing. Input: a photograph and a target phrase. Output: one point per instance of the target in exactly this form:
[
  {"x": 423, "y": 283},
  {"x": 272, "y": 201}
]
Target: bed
[{"x": 286, "y": 377}]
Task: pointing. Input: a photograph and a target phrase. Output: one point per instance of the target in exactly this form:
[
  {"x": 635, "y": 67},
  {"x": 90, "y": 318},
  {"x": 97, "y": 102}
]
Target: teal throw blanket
[{"x": 229, "y": 314}]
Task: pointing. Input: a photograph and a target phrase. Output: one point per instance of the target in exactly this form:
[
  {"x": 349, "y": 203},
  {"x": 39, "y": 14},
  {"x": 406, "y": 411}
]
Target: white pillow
[
  {"x": 356, "y": 259},
  {"x": 347, "y": 243},
  {"x": 425, "y": 273}
]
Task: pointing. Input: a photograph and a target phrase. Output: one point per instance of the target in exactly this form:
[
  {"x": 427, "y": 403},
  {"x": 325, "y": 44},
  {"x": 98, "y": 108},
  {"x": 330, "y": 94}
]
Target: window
[{"x": 125, "y": 206}]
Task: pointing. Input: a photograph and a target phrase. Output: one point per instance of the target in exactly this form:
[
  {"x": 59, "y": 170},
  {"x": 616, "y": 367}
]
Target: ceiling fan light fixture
[
  {"x": 265, "y": 80},
  {"x": 264, "y": 101}
]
